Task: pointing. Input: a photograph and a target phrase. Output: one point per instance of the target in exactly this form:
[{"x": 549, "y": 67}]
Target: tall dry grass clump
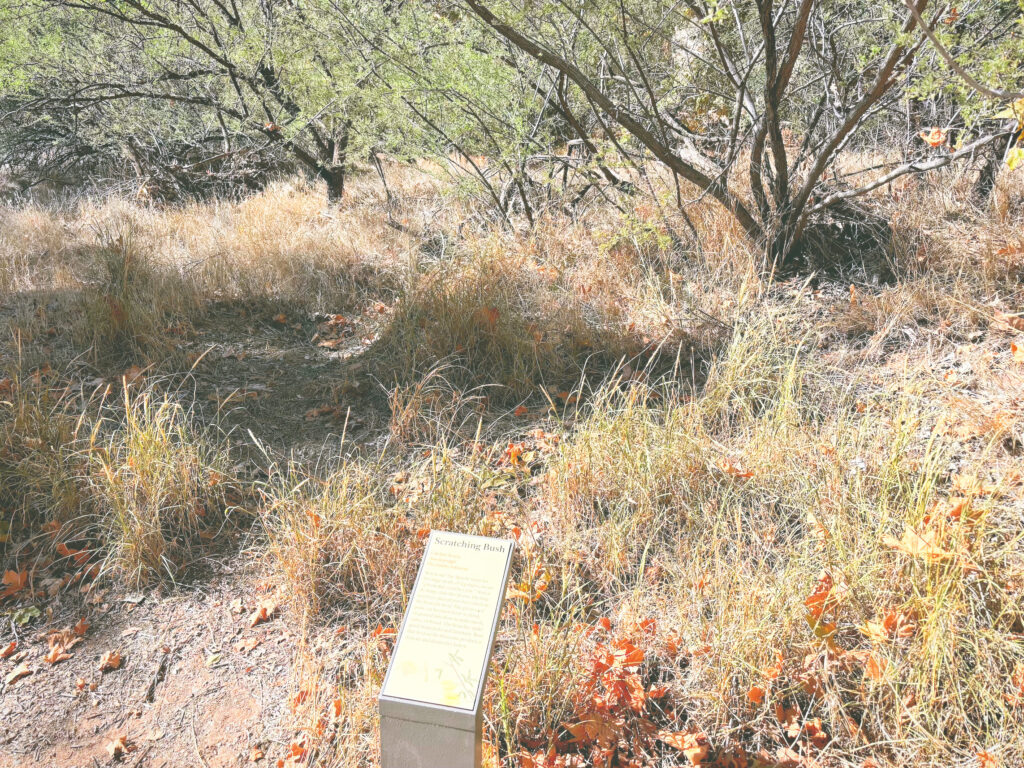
[
  {"x": 127, "y": 482},
  {"x": 160, "y": 487}
]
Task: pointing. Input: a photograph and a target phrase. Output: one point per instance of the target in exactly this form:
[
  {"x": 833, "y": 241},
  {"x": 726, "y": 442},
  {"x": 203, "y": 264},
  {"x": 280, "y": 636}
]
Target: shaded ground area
[{"x": 270, "y": 379}]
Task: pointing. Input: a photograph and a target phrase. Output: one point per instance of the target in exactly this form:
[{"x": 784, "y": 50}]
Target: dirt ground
[{"x": 197, "y": 686}]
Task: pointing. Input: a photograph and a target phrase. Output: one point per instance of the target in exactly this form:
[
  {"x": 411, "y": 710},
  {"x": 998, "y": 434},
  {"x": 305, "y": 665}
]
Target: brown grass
[{"x": 697, "y": 445}]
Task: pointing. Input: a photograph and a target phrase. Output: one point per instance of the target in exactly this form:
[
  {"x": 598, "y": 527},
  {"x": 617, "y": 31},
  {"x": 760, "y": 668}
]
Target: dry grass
[
  {"x": 159, "y": 485},
  {"x": 697, "y": 445}
]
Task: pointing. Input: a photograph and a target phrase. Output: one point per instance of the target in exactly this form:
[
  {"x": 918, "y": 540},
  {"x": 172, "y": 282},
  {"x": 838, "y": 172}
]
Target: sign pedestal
[
  {"x": 430, "y": 703},
  {"x": 416, "y": 744}
]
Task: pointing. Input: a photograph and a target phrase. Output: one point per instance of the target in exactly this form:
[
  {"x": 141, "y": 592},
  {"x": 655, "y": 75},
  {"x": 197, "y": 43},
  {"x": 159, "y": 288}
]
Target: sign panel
[{"x": 444, "y": 645}]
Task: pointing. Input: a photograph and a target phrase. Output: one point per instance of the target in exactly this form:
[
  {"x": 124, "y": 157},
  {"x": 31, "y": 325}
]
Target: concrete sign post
[{"x": 430, "y": 703}]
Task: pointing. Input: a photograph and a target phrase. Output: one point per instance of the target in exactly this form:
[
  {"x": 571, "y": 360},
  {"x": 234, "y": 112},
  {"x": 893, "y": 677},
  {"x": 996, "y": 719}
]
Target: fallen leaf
[
  {"x": 256, "y": 754},
  {"x": 732, "y": 469},
  {"x": 9, "y": 649},
  {"x": 244, "y": 646},
  {"x": 895, "y": 624},
  {"x": 56, "y": 654},
  {"x": 756, "y": 694},
  {"x": 81, "y": 628},
  {"x": 110, "y": 661},
  {"x": 822, "y": 598},
  {"x": 299, "y": 698},
  {"x": 266, "y": 610},
  {"x": 816, "y": 733},
  {"x": 281, "y": 318},
  {"x": 14, "y": 582},
  {"x": 1017, "y": 352},
  {"x": 693, "y": 745},
  {"x": 923, "y": 545},
  {"x": 1005, "y": 320},
  {"x": 521, "y": 411},
  {"x": 789, "y": 719},
  {"x": 987, "y": 760},
  {"x": 19, "y": 672},
  {"x": 132, "y": 374},
  {"x": 118, "y": 748},
  {"x": 875, "y": 666},
  {"x": 934, "y": 137},
  {"x": 487, "y": 317},
  {"x": 785, "y": 757},
  {"x": 80, "y": 684}
]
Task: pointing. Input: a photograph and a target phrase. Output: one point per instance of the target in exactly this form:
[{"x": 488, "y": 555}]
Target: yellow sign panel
[{"x": 445, "y": 641}]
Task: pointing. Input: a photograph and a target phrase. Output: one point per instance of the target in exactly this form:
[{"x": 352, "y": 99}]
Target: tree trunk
[
  {"x": 994, "y": 154},
  {"x": 335, "y": 179},
  {"x": 334, "y": 172}
]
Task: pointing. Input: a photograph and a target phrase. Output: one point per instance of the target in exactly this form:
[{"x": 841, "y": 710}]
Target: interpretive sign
[{"x": 430, "y": 700}]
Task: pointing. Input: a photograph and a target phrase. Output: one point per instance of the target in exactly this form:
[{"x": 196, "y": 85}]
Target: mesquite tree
[
  {"x": 752, "y": 101},
  {"x": 212, "y": 78}
]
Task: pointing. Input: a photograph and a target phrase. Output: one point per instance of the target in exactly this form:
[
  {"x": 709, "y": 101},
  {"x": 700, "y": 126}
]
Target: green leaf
[
  {"x": 1015, "y": 158},
  {"x": 23, "y": 616}
]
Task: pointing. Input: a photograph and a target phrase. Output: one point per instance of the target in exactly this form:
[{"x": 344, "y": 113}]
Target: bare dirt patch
[{"x": 196, "y": 685}]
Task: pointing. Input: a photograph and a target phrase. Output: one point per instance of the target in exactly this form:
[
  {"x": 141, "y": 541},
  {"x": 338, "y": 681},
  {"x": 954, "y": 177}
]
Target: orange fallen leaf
[
  {"x": 266, "y": 610},
  {"x": 785, "y": 757},
  {"x": 81, "y": 628},
  {"x": 256, "y": 754},
  {"x": 1017, "y": 352},
  {"x": 14, "y": 582},
  {"x": 971, "y": 485},
  {"x": 244, "y": 646},
  {"x": 875, "y": 666},
  {"x": 822, "y": 598},
  {"x": 110, "y": 661},
  {"x": 80, "y": 684},
  {"x": 756, "y": 694},
  {"x": 521, "y": 411},
  {"x": 56, "y": 654},
  {"x": 322, "y": 410},
  {"x": 1005, "y": 320},
  {"x": 597, "y": 727},
  {"x": 8, "y": 651},
  {"x": 924, "y": 545},
  {"x": 816, "y": 733},
  {"x": 79, "y": 555},
  {"x": 119, "y": 747},
  {"x": 296, "y": 752},
  {"x": 19, "y": 672},
  {"x": 487, "y": 317},
  {"x": 693, "y": 745},
  {"x": 299, "y": 698},
  {"x": 732, "y": 469},
  {"x": 789, "y": 719},
  {"x": 987, "y": 760},
  {"x": 281, "y": 318}
]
